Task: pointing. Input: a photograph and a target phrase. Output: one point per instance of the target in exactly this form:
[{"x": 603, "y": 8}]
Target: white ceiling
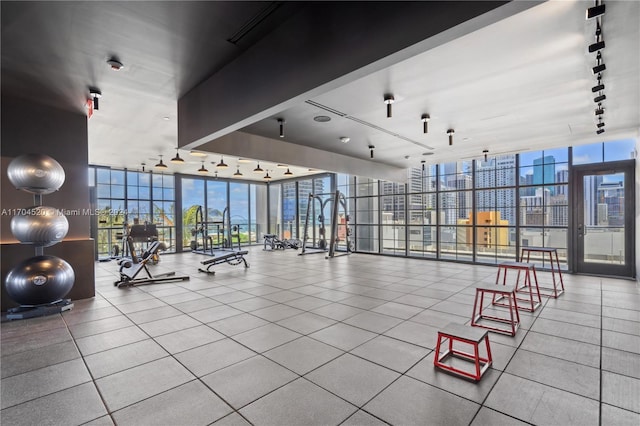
[{"x": 523, "y": 83}]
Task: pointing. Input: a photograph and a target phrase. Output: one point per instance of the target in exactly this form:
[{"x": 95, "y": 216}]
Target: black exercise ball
[
  {"x": 36, "y": 173},
  {"x": 40, "y": 280},
  {"x": 39, "y": 225}
]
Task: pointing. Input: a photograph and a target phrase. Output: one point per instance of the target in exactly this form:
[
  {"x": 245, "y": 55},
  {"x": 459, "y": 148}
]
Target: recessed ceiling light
[
  {"x": 165, "y": 118},
  {"x": 344, "y": 139},
  {"x": 115, "y": 64},
  {"x": 321, "y": 118}
]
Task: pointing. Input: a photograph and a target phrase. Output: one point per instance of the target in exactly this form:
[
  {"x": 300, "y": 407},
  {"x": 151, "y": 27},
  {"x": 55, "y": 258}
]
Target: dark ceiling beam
[{"x": 323, "y": 46}]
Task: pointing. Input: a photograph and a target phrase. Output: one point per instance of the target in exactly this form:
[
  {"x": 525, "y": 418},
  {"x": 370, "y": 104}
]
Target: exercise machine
[
  {"x": 232, "y": 258},
  {"x": 130, "y": 270},
  {"x": 274, "y": 243},
  {"x": 205, "y": 231},
  {"x": 339, "y": 225}
]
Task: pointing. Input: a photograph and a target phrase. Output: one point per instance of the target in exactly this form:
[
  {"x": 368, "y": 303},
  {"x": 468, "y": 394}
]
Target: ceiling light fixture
[
  {"x": 177, "y": 159},
  {"x": 203, "y": 169},
  {"x": 267, "y": 177},
  {"x": 197, "y": 153},
  {"x": 423, "y": 165},
  {"x": 95, "y": 94},
  {"x": 161, "y": 165},
  {"x": 344, "y": 139},
  {"x": 595, "y": 11},
  {"x": 486, "y": 154},
  {"x": 599, "y": 45},
  {"x": 389, "y": 100},
  {"x": 322, "y": 118},
  {"x": 600, "y": 66},
  {"x": 115, "y": 64},
  {"x": 600, "y": 110},
  {"x": 598, "y": 87},
  {"x": 600, "y": 123},
  {"x": 600, "y": 131},
  {"x": 425, "y": 123},
  {"x": 288, "y": 172},
  {"x": 221, "y": 164},
  {"x": 450, "y": 133},
  {"x": 599, "y": 98},
  {"x": 371, "y": 148},
  {"x": 237, "y": 173},
  {"x": 282, "y": 166},
  {"x": 244, "y": 160},
  {"x": 281, "y": 123},
  {"x": 143, "y": 164},
  {"x": 258, "y": 169}
]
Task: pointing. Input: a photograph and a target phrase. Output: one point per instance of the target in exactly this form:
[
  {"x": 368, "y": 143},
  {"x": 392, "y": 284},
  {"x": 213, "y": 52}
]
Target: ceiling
[{"x": 516, "y": 78}]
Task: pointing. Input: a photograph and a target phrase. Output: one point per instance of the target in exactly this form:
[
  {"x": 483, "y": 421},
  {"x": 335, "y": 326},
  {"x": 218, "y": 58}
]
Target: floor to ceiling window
[
  {"x": 367, "y": 215},
  {"x": 455, "y": 232},
  {"x": 422, "y": 211}
]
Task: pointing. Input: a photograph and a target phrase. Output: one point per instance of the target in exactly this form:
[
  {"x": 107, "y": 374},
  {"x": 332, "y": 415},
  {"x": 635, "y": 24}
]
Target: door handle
[{"x": 581, "y": 230}]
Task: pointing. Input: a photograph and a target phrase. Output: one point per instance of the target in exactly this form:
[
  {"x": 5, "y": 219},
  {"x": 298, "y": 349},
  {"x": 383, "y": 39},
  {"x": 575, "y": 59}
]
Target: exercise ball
[
  {"x": 40, "y": 280},
  {"x": 36, "y": 173},
  {"x": 39, "y": 225}
]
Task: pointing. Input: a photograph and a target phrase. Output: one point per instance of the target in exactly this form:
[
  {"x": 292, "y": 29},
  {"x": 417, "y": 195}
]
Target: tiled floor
[{"x": 300, "y": 340}]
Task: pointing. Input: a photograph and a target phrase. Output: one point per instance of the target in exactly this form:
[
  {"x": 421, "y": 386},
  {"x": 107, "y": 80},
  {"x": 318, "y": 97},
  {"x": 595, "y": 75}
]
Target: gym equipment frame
[
  {"x": 338, "y": 200},
  {"x": 129, "y": 270},
  {"x": 232, "y": 258}
]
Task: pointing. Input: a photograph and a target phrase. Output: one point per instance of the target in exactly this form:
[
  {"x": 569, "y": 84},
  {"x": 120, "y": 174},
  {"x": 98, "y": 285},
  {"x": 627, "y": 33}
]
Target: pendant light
[
  {"x": 425, "y": 123},
  {"x": 177, "y": 159},
  {"x": 237, "y": 173},
  {"x": 161, "y": 165},
  {"x": 388, "y": 100},
  {"x": 267, "y": 177},
  {"x": 450, "y": 133},
  {"x": 258, "y": 169},
  {"x": 222, "y": 164},
  {"x": 288, "y": 172},
  {"x": 202, "y": 169}
]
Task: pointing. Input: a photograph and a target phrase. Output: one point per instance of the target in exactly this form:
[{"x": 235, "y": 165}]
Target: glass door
[{"x": 604, "y": 235}]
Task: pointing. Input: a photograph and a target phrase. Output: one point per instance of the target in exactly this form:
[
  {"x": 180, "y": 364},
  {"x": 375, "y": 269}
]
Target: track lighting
[
  {"x": 486, "y": 154},
  {"x": 221, "y": 164},
  {"x": 95, "y": 94},
  {"x": 288, "y": 172},
  {"x": 425, "y": 123},
  {"x": 595, "y": 11},
  {"x": 237, "y": 173},
  {"x": 177, "y": 159},
  {"x": 371, "y": 148},
  {"x": 600, "y": 110},
  {"x": 258, "y": 169},
  {"x": 281, "y": 123},
  {"x": 388, "y": 100},
  {"x": 450, "y": 132},
  {"x": 203, "y": 169},
  {"x": 161, "y": 165},
  {"x": 599, "y": 98},
  {"x": 596, "y": 46}
]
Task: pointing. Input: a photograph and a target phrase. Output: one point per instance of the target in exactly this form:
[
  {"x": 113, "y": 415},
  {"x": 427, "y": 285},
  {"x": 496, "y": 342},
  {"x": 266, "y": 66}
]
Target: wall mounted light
[
  {"x": 161, "y": 165},
  {"x": 221, "y": 164},
  {"x": 202, "y": 169},
  {"x": 389, "y": 100},
  {"x": 177, "y": 159},
  {"x": 281, "y": 123},
  {"x": 425, "y": 123},
  {"x": 450, "y": 133},
  {"x": 258, "y": 169},
  {"x": 371, "y": 148},
  {"x": 95, "y": 94}
]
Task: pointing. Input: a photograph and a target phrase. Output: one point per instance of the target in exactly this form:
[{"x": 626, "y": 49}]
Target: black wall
[{"x": 29, "y": 127}]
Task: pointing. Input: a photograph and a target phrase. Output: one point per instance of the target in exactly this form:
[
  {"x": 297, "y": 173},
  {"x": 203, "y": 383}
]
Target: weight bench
[
  {"x": 232, "y": 258},
  {"x": 129, "y": 270},
  {"x": 468, "y": 335}
]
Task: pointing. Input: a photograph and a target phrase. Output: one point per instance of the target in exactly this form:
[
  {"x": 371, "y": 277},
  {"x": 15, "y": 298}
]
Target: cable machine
[{"x": 339, "y": 226}]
